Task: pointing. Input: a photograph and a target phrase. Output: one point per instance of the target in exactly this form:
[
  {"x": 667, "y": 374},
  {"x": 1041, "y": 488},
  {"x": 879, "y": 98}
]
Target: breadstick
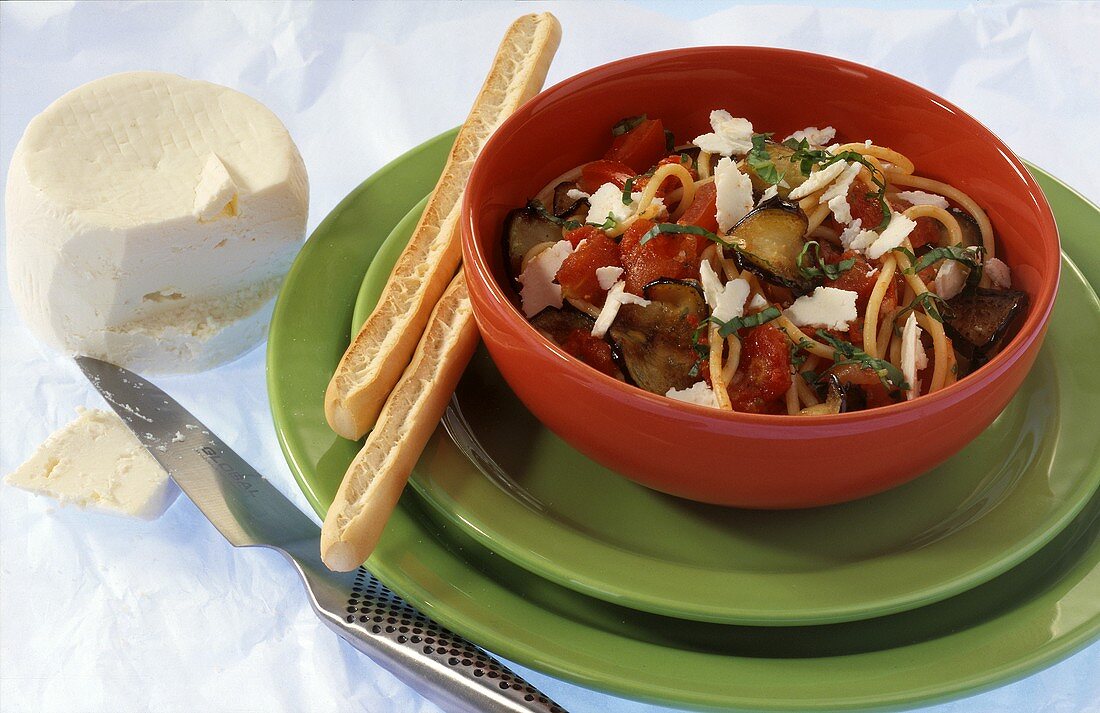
[
  {"x": 375, "y": 479},
  {"x": 376, "y": 356}
]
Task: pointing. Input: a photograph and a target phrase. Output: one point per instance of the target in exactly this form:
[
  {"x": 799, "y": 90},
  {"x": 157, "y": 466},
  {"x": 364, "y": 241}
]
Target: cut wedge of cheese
[
  {"x": 150, "y": 219},
  {"x": 95, "y": 462}
]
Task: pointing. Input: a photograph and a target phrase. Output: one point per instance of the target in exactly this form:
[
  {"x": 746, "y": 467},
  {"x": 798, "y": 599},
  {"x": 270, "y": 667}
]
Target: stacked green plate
[{"x": 979, "y": 572}]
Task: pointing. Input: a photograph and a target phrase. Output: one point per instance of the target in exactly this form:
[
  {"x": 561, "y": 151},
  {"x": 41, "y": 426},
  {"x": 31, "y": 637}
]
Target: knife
[{"x": 250, "y": 512}]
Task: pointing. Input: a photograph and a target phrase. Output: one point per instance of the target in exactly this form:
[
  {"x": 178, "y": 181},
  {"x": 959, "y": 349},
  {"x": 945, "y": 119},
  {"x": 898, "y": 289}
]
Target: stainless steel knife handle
[{"x": 439, "y": 664}]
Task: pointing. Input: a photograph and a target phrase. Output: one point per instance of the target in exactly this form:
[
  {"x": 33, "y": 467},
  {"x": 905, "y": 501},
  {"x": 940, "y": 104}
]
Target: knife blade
[{"x": 251, "y": 512}]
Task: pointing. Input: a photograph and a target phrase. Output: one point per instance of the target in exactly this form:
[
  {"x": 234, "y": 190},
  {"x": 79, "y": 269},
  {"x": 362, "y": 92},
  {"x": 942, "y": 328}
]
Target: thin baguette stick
[
  {"x": 377, "y": 355},
  {"x": 375, "y": 479}
]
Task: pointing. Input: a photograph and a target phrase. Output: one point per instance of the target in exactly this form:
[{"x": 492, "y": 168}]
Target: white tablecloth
[{"x": 104, "y": 614}]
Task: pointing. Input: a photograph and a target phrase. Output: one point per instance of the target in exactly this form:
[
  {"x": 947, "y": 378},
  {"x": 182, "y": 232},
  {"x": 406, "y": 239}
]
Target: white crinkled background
[{"x": 104, "y": 614}]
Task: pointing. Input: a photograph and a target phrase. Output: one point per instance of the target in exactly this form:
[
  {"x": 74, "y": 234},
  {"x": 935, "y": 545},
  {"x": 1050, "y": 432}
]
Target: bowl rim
[{"x": 1033, "y": 328}]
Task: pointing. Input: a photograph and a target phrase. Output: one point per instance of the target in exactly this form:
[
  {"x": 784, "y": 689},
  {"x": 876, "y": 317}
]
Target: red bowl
[{"x": 749, "y": 460}]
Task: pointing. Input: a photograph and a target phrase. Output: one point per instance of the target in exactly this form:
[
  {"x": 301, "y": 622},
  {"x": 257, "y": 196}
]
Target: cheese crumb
[
  {"x": 922, "y": 198},
  {"x": 95, "y": 462},
  {"x": 608, "y": 276},
  {"x": 698, "y": 393},
  {"x": 769, "y": 193},
  {"x": 730, "y": 136},
  {"x": 616, "y": 298},
  {"x": 734, "y": 194},
  {"x": 575, "y": 194},
  {"x": 818, "y": 179},
  {"x": 913, "y": 358},
  {"x": 725, "y": 301},
  {"x": 608, "y": 201},
  {"x": 814, "y": 135},
  {"x": 827, "y": 307},
  {"x": 758, "y": 303},
  {"x": 950, "y": 278},
  {"x": 538, "y": 289},
  {"x": 837, "y": 194},
  {"x": 999, "y": 273},
  {"x": 893, "y": 236}
]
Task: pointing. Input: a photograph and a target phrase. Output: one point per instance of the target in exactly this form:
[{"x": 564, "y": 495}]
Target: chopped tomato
[
  {"x": 764, "y": 373},
  {"x": 592, "y": 351},
  {"x": 585, "y": 232},
  {"x": 702, "y": 211},
  {"x": 864, "y": 207},
  {"x": 869, "y": 381},
  {"x": 670, "y": 255},
  {"x": 577, "y": 275},
  {"x": 855, "y": 279},
  {"x": 640, "y": 147},
  {"x": 597, "y": 173}
]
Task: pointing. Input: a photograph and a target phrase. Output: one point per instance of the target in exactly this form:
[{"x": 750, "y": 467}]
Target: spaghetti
[{"x": 784, "y": 278}]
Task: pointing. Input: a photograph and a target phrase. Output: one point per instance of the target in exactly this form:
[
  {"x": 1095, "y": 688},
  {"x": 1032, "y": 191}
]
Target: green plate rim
[
  {"x": 408, "y": 529},
  {"x": 626, "y": 588}
]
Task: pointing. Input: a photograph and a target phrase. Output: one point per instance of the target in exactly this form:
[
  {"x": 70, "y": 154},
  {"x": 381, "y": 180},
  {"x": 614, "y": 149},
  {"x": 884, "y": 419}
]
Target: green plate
[
  {"x": 1041, "y": 611},
  {"x": 526, "y": 494}
]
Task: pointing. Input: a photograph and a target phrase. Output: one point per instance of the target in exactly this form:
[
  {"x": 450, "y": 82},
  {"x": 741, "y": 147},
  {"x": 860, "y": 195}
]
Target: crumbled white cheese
[
  {"x": 538, "y": 289},
  {"x": 698, "y": 393},
  {"x": 814, "y": 135},
  {"x": 998, "y": 273},
  {"x": 733, "y": 191},
  {"x": 575, "y": 194},
  {"x": 730, "y": 136},
  {"x": 913, "y": 358},
  {"x": 758, "y": 303},
  {"x": 608, "y": 276},
  {"x": 893, "y": 236},
  {"x": 950, "y": 278},
  {"x": 827, "y": 307},
  {"x": 769, "y": 193},
  {"x": 725, "y": 301},
  {"x": 922, "y": 198},
  {"x": 837, "y": 194},
  {"x": 608, "y": 201},
  {"x": 818, "y": 179},
  {"x": 616, "y": 298},
  {"x": 96, "y": 462}
]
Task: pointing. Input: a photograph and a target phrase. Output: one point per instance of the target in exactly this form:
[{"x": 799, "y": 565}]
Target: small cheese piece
[
  {"x": 814, "y": 135},
  {"x": 892, "y": 236},
  {"x": 913, "y": 358},
  {"x": 758, "y": 303},
  {"x": 769, "y": 193},
  {"x": 837, "y": 194},
  {"x": 607, "y": 201},
  {"x": 698, "y": 393},
  {"x": 216, "y": 193},
  {"x": 950, "y": 278},
  {"x": 922, "y": 198},
  {"x": 96, "y": 462},
  {"x": 818, "y": 179},
  {"x": 151, "y": 219},
  {"x": 575, "y": 194},
  {"x": 730, "y": 136},
  {"x": 608, "y": 276},
  {"x": 998, "y": 273},
  {"x": 725, "y": 301},
  {"x": 827, "y": 307},
  {"x": 538, "y": 290},
  {"x": 617, "y": 296},
  {"x": 733, "y": 194}
]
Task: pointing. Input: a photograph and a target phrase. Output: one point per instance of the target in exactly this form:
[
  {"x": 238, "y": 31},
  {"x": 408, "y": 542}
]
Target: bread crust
[{"x": 378, "y": 354}]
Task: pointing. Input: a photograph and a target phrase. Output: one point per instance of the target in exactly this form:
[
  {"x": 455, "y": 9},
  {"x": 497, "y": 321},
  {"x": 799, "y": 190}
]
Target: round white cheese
[{"x": 150, "y": 220}]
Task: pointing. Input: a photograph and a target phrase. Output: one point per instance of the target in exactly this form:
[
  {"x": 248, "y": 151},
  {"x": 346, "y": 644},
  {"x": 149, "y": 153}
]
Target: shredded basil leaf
[
  {"x": 670, "y": 145},
  {"x": 817, "y": 266},
  {"x": 628, "y": 188},
  {"x": 677, "y": 228},
  {"x": 539, "y": 208},
  {"x": 971, "y": 257},
  {"x": 848, "y": 353},
  {"x": 627, "y": 124},
  {"x": 736, "y": 324},
  {"x": 933, "y": 305},
  {"x": 760, "y": 161}
]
